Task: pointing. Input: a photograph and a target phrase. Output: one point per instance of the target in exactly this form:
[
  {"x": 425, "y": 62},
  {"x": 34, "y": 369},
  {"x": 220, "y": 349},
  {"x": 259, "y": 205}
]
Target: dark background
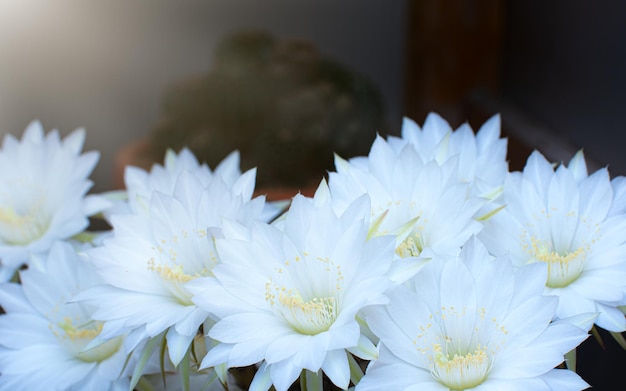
[{"x": 554, "y": 70}]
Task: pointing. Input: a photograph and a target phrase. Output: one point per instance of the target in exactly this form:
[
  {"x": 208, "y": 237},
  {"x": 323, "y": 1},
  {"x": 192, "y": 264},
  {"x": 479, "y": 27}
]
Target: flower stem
[
  {"x": 184, "y": 370},
  {"x": 356, "y": 373},
  {"x": 570, "y": 360},
  {"x": 144, "y": 385},
  {"x": 143, "y": 359},
  {"x": 619, "y": 338},
  {"x": 311, "y": 381}
]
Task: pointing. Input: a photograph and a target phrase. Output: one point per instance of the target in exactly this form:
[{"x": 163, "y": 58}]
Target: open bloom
[
  {"x": 482, "y": 156},
  {"x": 166, "y": 241},
  {"x": 472, "y": 323},
  {"x": 44, "y": 337},
  {"x": 44, "y": 182},
  {"x": 141, "y": 184},
  {"x": 289, "y": 298},
  {"x": 573, "y": 223},
  {"x": 423, "y": 204}
]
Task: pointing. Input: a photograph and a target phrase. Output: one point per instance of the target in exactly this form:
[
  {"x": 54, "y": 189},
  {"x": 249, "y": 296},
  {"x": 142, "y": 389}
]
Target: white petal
[
  {"x": 177, "y": 345},
  {"x": 241, "y": 327},
  {"x": 75, "y": 140},
  {"x": 562, "y": 379},
  {"x": 539, "y": 171},
  {"x": 283, "y": 374},
  {"x": 596, "y": 195},
  {"x": 337, "y": 369},
  {"x": 562, "y": 207},
  {"x": 262, "y": 380}
]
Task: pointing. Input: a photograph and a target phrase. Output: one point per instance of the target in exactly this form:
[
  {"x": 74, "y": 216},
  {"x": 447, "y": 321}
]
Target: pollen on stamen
[
  {"x": 411, "y": 246},
  {"x": 458, "y": 370},
  {"x": 22, "y": 228},
  {"x": 74, "y": 333},
  {"x": 76, "y": 337},
  {"x": 174, "y": 278},
  {"x": 563, "y": 267},
  {"x": 308, "y": 317},
  {"x": 460, "y": 361}
]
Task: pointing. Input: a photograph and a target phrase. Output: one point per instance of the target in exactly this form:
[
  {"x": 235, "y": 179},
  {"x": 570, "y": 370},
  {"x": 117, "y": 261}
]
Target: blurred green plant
[{"x": 281, "y": 103}]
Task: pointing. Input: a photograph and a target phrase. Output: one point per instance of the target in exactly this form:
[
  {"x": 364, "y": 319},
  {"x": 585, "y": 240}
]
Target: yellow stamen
[
  {"x": 77, "y": 337},
  {"x": 563, "y": 268},
  {"x": 309, "y": 317},
  {"x": 21, "y": 228},
  {"x": 460, "y": 371},
  {"x": 411, "y": 247}
]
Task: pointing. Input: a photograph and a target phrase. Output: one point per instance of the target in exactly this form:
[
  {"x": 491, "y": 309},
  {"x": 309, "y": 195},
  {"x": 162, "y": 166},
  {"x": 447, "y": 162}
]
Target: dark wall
[{"x": 564, "y": 63}]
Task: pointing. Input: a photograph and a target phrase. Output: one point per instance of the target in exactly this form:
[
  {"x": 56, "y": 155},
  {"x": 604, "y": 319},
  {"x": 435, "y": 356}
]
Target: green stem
[
  {"x": 570, "y": 360},
  {"x": 184, "y": 370},
  {"x": 619, "y": 338},
  {"x": 311, "y": 381},
  {"x": 144, "y": 385},
  {"x": 212, "y": 378},
  {"x": 356, "y": 373},
  {"x": 597, "y": 336},
  {"x": 143, "y": 359}
]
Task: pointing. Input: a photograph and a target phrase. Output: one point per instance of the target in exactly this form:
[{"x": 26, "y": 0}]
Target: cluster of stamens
[
  {"x": 172, "y": 271},
  {"x": 21, "y": 228},
  {"x": 77, "y": 337},
  {"x": 411, "y": 247},
  {"x": 457, "y": 359},
  {"x": 306, "y": 315}
]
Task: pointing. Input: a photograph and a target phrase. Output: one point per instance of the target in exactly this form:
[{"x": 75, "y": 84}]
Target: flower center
[
  {"x": 75, "y": 338},
  {"x": 174, "y": 279},
  {"x": 306, "y": 293},
  {"x": 411, "y": 246},
  {"x": 308, "y": 317},
  {"x": 460, "y": 370},
  {"x": 458, "y": 353},
  {"x": 563, "y": 268},
  {"x": 183, "y": 258},
  {"x": 20, "y": 228}
]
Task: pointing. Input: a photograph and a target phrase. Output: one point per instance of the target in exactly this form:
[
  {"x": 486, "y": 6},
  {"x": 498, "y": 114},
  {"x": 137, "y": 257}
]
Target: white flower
[
  {"x": 290, "y": 297},
  {"x": 156, "y": 251},
  {"x": 140, "y": 184},
  {"x": 44, "y": 338},
  {"x": 471, "y": 323},
  {"x": 482, "y": 156},
  {"x": 423, "y": 204},
  {"x": 572, "y": 222},
  {"x": 44, "y": 181}
]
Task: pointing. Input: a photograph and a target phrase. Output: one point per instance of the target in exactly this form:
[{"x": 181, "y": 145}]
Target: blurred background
[
  {"x": 268, "y": 78},
  {"x": 288, "y": 83}
]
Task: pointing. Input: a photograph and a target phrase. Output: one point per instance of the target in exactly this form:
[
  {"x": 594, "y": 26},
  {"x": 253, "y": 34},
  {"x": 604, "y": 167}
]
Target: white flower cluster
[{"x": 425, "y": 265}]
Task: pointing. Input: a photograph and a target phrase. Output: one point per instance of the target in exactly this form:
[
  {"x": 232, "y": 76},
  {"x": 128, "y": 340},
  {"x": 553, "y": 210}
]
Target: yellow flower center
[
  {"x": 308, "y": 317},
  {"x": 318, "y": 309},
  {"x": 458, "y": 358},
  {"x": 20, "y": 228},
  {"x": 76, "y": 338},
  {"x": 460, "y": 370},
  {"x": 411, "y": 246},
  {"x": 563, "y": 267},
  {"x": 172, "y": 271},
  {"x": 174, "y": 279}
]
